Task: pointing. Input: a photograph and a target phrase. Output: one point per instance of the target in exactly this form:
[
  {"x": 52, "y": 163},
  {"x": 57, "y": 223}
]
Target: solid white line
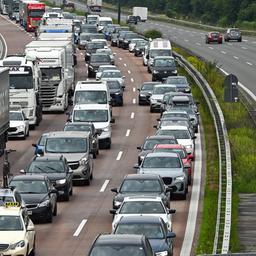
[
  {"x": 198, "y": 44},
  {"x": 119, "y": 155},
  {"x": 249, "y": 63},
  {"x": 235, "y": 57},
  {"x": 132, "y": 80},
  {"x": 186, "y": 40},
  {"x": 134, "y": 101},
  {"x": 105, "y": 184},
  {"x": 128, "y": 133},
  {"x": 134, "y": 89},
  {"x": 223, "y": 52},
  {"x": 194, "y": 201},
  {"x": 244, "y": 48},
  {"x": 132, "y": 115},
  {"x": 80, "y": 227},
  {"x": 125, "y": 64},
  {"x": 129, "y": 72},
  {"x": 4, "y": 46}
]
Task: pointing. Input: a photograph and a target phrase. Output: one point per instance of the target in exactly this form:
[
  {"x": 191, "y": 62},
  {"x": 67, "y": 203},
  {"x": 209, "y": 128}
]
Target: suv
[
  {"x": 131, "y": 19},
  {"x": 119, "y": 245},
  {"x": 75, "y": 147},
  {"x": 233, "y": 34},
  {"x": 96, "y": 60},
  {"x": 57, "y": 170}
]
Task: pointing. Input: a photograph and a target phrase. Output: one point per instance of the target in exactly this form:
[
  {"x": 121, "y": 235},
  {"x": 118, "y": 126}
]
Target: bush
[{"x": 152, "y": 33}]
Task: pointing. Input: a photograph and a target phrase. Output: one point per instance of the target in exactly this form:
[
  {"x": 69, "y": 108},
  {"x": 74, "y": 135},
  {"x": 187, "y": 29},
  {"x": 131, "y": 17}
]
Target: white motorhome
[
  {"x": 141, "y": 12},
  {"x": 103, "y": 22},
  {"x": 24, "y": 80}
]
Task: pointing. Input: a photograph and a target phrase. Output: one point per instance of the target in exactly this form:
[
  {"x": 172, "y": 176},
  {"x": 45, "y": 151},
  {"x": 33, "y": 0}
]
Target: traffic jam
[{"x": 43, "y": 81}]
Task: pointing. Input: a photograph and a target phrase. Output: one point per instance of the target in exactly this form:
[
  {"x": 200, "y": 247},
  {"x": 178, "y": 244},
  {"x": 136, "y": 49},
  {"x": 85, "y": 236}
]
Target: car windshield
[
  {"x": 105, "y": 22},
  {"x": 66, "y": 145},
  {"x": 20, "y": 81},
  {"x": 51, "y": 74},
  {"x": 176, "y": 80},
  {"x": 160, "y": 52},
  {"x": 173, "y": 122},
  {"x": 89, "y": 30},
  {"x": 96, "y": 36},
  {"x": 161, "y": 162},
  {"x": 111, "y": 74},
  {"x": 178, "y": 134},
  {"x": 78, "y": 127},
  {"x": 36, "y": 13},
  {"x": 91, "y": 115},
  {"x": 30, "y": 186},
  {"x": 147, "y": 87},
  {"x": 112, "y": 85},
  {"x": 151, "y": 231},
  {"x": 164, "y": 63},
  {"x": 102, "y": 68},
  {"x": 181, "y": 152},
  {"x": 159, "y": 90},
  {"x": 130, "y": 186},
  {"x": 15, "y": 116},
  {"x": 46, "y": 167},
  {"x": 117, "y": 250},
  {"x": 169, "y": 115},
  {"x": 142, "y": 207},
  {"x": 10, "y": 223},
  {"x": 100, "y": 58},
  {"x": 91, "y": 97},
  {"x": 85, "y": 37},
  {"x": 106, "y": 51},
  {"x": 149, "y": 144}
]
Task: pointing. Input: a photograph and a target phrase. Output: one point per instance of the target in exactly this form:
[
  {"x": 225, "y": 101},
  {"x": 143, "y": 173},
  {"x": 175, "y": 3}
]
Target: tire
[
  {"x": 24, "y": 137},
  {"x": 94, "y": 155},
  {"x": 151, "y": 110},
  {"x": 91, "y": 176},
  {"x": 49, "y": 218},
  {"x": 121, "y": 103},
  {"x": 87, "y": 182},
  {"x": 55, "y": 210},
  {"x": 189, "y": 180},
  {"x": 33, "y": 252},
  {"x": 71, "y": 191},
  {"x": 240, "y": 40},
  {"x": 184, "y": 196},
  {"x": 66, "y": 197}
]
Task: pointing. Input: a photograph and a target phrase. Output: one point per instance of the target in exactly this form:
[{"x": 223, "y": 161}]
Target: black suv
[
  {"x": 96, "y": 60},
  {"x": 132, "y": 19},
  {"x": 141, "y": 184},
  {"x": 57, "y": 170},
  {"x": 119, "y": 245},
  {"x": 91, "y": 47}
]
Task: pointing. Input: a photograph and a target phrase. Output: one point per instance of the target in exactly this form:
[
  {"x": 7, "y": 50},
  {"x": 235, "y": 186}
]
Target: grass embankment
[{"x": 242, "y": 139}]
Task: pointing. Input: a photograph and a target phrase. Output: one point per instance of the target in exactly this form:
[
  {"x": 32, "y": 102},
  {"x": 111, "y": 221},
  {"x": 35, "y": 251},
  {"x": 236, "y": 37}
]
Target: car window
[
  {"x": 10, "y": 223},
  {"x": 178, "y": 134},
  {"x": 141, "y": 207},
  {"x": 46, "y": 167},
  {"x": 140, "y": 186},
  {"x": 149, "y": 144},
  {"x": 161, "y": 162},
  {"x": 30, "y": 186}
]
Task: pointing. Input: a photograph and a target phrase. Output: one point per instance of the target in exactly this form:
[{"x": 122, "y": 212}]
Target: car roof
[
  {"x": 162, "y": 154},
  {"x": 108, "y": 239},
  {"x": 91, "y": 107},
  {"x": 165, "y": 85},
  {"x": 29, "y": 177},
  {"x": 140, "y": 220},
  {"x": 142, "y": 198},
  {"x": 141, "y": 177},
  {"x": 68, "y": 134},
  {"x": 175, "y": 111},
  {"x": 174, "y": 127},
  {"x": 79, "y": 123},
  {"x": 174, "y": 146},
  {"x": 152, "y": 137},
  {"x": 180, "y": 98}
]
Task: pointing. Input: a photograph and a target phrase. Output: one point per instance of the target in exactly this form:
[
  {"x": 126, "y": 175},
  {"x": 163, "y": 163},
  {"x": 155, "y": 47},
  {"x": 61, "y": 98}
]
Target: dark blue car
[{"x": 39, "y": 146}]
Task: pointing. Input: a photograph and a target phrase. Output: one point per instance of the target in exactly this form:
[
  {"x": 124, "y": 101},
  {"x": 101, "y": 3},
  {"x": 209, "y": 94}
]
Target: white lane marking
[
  {"x": 120, "y": 58},
  {"x": 80, "y": 227},
  {"x": 198, "y": 44},
  {"x": 210, "y": 47},
  {"x": 235, "y": 57},
  {"x": 5, "y": 46},
  {"x": 132, "y": 115},
  {"x": 125, "y": 64},
  {"x": 132, "y": 80},
  {"x": 186, "y": 40},
  {"x": 254, "y": 42},
  {"x": 105, "y": 184},
  {"x": 249, "y": 63},
  {"x": 194, "y": 201},
  {"x": 129, "y": 72},
  {"x": 244, "y": 48},
  {"x": 223, "y": 52},
  {"x": 201, "y": 33},
  {"x": 128, "y": 133},
  {"x": 245, "y": 40},
  {"x": 120, "y": 153},
  {"x": 134, "y": 101},
  {"x": 134, "y": 89}
]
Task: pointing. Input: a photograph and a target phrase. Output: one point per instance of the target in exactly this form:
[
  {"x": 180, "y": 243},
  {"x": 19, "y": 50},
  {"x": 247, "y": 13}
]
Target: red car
[
  {"x": 181, "y": 150},
  {"x": 212, "y": 37}
]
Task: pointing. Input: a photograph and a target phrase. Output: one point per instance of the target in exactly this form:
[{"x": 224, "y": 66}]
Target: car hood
[
  {"x": 100, "y": 125},
  {"x": 16, "y": 123},
  {"x": 158, "y": 245},
  {"x": 12, "y": 237},
  {"x": 163, "y": 172},
  {"x": 34, "y": 198},
  {"x": 71, "y": 157}
]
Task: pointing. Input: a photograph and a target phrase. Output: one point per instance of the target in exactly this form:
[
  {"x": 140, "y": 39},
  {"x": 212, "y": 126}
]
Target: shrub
[{"x": 152, "y": 33}]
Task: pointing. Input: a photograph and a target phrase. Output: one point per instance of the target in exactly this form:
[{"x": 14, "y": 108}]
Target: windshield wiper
[{"x": 53, "y": 169}]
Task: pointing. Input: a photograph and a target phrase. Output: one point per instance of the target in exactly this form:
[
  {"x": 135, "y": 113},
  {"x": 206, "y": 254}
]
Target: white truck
[
  {"x": 56, "y": 64},
  {"x": 94, "y": 6},
  {"x": 140, "y": 12},
  {"x": 24, "y": 80}
]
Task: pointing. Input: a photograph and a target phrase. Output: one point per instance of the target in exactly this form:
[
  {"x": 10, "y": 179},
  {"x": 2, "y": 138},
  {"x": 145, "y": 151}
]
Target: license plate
[{"x": 29, "y": 213}]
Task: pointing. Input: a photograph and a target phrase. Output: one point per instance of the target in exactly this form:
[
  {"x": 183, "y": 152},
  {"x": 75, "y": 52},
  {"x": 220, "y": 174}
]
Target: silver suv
[
  {"x": 233, "y": 34},
  {"x": 75, "y": 147}
]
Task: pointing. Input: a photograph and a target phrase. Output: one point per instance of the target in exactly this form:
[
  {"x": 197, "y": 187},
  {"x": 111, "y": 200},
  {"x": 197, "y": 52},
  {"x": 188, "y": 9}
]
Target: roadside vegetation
[{"x": 152, "y": 33}]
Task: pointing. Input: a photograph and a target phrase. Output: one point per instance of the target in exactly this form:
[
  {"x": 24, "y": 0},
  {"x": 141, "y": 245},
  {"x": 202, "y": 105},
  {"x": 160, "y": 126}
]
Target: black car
[
  {"x": 87, "y": 127},
  {"x": 145, "y": 92},
  {"x": 163, "y": 66},
  {"x": 139, "y": 48},
  {"x": 127, "y": 39},
  {"x": 39, "y": 195},
  {"x": 91, "y": 47},
  {"x": 113, "y": 40},
  {"x": 151, "y": 141},
  {"x": 153, "y": 227},
  {"x": 181, "y": 83},
  {"x": 95, "y": 61},
  {"x": 57, "y": 170},
  {"x": 121, "y": 35},
  {"x": 120, "y": 245},
  {"x": 141, "y": 184},
  {"x": 132, "y": 19},
  {"x": 116, "y": 92}
]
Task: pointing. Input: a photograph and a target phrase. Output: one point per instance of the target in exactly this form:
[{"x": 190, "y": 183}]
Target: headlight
[
  {"x": 153, "y": 100},
  {"x": 18, "y": 244},
  {"x": 83, "y": 161},
  {"x": 180, "y": 178},
  {"x": 174, "y": 71},
  {"x": 61, "y": 182},
  {"x": 44, "y": 203},
  {"x": 155, "y": 72},
  {"x": 21, "y": 127},
  {"x": 163, "y": 253},
  {"x": 117, "y": 93},
  {"x": 117, "y": 203},
  {"x": 106, "y": 129}
]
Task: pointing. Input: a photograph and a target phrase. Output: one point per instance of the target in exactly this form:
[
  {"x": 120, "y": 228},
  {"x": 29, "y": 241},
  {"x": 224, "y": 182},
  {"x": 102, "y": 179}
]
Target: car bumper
[
  {"x": 82, "y": 172},
  {"x": 117, "y": 99},
  {"x": 16, "y": 252},
  {"x": 39, "y": 213},
  {"x": 155, "y": 106},
  {"x": 144, "y": 100},
  {"x": 179, "y": 186}
]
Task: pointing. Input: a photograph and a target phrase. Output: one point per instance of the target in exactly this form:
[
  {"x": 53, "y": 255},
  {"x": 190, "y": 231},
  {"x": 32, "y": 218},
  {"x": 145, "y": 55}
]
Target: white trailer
[
  {"x": 141, "y": 12},
  {"x": 94, "y": 6}
]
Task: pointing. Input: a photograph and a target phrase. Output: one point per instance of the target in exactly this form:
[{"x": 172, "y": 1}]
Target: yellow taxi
[{"x": 17, "y": 231}]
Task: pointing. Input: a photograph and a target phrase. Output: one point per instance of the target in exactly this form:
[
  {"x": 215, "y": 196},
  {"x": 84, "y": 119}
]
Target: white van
[
  {"x": 103, "y": 22},
  {"x": 100, "y": 116},
  {"x": 91, "y": 92},
  {"x": 157, "y": 47}
]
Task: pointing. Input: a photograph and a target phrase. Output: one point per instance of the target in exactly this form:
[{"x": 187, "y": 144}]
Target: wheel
[
  {"x": 71, "y": 191},
  {"x": 87, "y": 182},
  {"x": 49, "y": 218},
  {"x": 121, "y": 103},
  {"x": 33, "y": 252},
  {"x": 189, "y": 180},
  {"x": 24, "y": 136},
  {"x": 97, "y": 151},
  {"x": 91, "y": 176},
  {"x": 66, "y": 197},
  {"x": 240, "y": 40},
  {"x": 55, "y": 210},
  {"x": 94, "y": 155},
  {"x": 184, "y": 196},
  {"x": 151, "y": 110}
]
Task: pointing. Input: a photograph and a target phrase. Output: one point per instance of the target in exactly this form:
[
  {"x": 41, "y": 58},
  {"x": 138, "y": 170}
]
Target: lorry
[
  {"x": 4, "y": 108},
  {"x": 140, "y": 12},
  {"x": 56, "y": 64},
  {"x": 24, "y": 81},
  {"x": 94, "y": 6},
  {"x": 30, "y": 14}
]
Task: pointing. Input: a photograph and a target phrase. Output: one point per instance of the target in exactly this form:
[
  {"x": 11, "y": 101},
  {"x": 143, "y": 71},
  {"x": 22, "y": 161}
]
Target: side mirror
[
  {"x": 171, "y": 234},
  {"x": 113, "y": 120},
  {"x": 136, "y": 166},
  {"x": 22, "y": 171},
  {"x": 158, "y": 119},
  {"x": 54, "y": 190},
  {"x": 172, "y": 211},
  {"x": 34, "y": 145},
  {"x": 26, "y": 119},
  {"x": 191, "y": 157},
  {"x": 114, "y": 190},
  {"x": 112, "y": 211},
  {"x": 98, "y": 132},
  {"x": 139, "y": 147},
  {"x": 155, "y": 126},
  {"x": 39, "y": 151},
  {"x": 70, "y": 171},
  {"x": 30, "y": 228},
  {"x": 123, "y": 87},
  {"x": 138, "y": 89}
]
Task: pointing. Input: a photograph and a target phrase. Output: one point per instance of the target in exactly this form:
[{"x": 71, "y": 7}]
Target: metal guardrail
[{"x": 223, "y": 221}]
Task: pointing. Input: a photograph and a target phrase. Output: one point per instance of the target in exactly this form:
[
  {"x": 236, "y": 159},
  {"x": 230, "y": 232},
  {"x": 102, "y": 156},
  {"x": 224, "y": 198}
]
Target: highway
[{"x": 87, "y": 213}]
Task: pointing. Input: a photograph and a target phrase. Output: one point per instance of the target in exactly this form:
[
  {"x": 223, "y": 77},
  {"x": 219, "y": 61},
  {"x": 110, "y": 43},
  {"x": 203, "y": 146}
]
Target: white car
[
  {"x": 113, "y": 75},
  {"x": 104, "y": 67},
  {"x": 17, "y": 231},
  {"x": 133, "y": 43},
  {"x": 108, "y": 51},
  {"x": 19, "y": 124},
  {"x": 143, "y": 206},
  {"x": 181, "y": 133}
]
